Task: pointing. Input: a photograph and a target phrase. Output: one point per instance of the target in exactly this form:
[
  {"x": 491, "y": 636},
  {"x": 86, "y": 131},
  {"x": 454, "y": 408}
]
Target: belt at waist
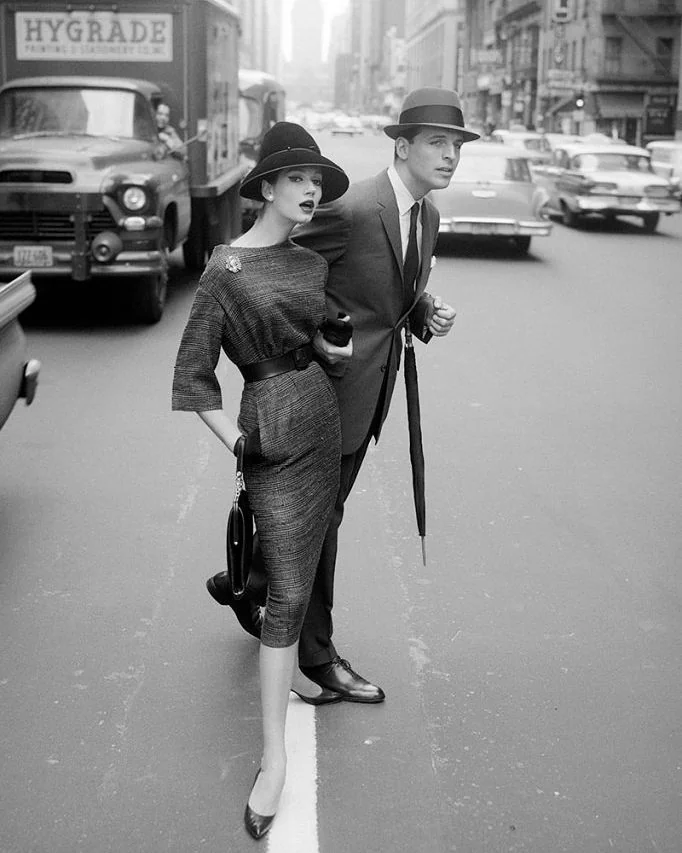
[{"x": 295, "y": 359}]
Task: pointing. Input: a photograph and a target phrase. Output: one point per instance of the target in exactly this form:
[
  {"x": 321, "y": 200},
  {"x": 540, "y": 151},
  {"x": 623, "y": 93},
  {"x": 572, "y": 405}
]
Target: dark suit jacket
[{"x": 359, "y": 236}]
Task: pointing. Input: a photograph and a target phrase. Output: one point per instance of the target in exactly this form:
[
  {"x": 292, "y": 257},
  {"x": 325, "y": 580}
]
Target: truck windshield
[{"x": 77, "y": 112}]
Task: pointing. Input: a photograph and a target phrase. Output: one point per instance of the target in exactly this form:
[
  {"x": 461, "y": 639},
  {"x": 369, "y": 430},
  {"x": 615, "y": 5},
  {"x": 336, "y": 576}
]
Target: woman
[{"x": 261, "y": 300}]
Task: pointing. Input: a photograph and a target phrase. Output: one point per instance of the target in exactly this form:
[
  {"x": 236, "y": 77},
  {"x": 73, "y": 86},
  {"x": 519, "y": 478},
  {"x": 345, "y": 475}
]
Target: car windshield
[
  {"x": 611, "y": 162},
  {"x": 487, "y": 168},
  {"x": 75, "y": 112}
]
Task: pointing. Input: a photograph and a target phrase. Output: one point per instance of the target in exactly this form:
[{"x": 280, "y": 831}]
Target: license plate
[
  {"x": 483, "y": 228},
  {"x": 629, "y": 199},
  {"x": 33, "y": 256}
]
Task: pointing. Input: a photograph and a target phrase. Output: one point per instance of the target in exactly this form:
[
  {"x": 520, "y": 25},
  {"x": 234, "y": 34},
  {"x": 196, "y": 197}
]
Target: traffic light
[
  {"x": 561, "y": 11},
  {"x": 579, "y": 101}
]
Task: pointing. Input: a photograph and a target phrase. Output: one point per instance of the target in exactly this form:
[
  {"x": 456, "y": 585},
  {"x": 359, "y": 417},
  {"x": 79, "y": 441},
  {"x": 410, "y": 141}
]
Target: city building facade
[
  {"x": 435, "y": 40},
  {"x": 577, "y": 66},
  {"x": 261, "y": 43}
]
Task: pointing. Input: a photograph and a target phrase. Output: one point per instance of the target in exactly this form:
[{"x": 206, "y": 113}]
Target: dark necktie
[{"x": 411, "y": 262}]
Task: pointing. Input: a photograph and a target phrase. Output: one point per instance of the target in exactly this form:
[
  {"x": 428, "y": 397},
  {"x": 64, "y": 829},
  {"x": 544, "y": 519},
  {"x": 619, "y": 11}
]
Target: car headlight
[{"x": 134, "y": 198}]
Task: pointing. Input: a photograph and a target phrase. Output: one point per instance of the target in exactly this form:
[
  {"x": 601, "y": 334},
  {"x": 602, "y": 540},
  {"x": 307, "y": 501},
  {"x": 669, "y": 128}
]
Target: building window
[
  {"x": 664, "y": 54},
  {"x": 612, "y": 55}
]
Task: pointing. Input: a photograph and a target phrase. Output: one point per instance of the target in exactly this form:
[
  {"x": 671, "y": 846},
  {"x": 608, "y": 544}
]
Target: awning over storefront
[
  {"x": 620, "y": 104},
  {"x": 562, "y": 105}
]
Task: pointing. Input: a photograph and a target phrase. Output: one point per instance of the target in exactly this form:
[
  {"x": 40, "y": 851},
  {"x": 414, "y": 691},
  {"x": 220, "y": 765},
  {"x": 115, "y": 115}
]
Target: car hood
[{"x": 88, "y": 159}]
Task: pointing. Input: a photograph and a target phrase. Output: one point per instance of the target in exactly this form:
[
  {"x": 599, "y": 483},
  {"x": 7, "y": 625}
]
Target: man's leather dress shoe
[
  {"x": 338, "y": 676},
  {"x": 248, "y": 613}
]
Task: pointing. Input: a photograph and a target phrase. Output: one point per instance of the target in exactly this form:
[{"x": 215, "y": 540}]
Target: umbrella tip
[{"x": 424, "y": 549}]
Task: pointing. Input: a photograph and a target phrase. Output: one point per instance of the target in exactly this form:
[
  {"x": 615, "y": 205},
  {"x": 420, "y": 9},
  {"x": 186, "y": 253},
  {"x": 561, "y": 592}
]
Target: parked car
[
  {"x": 666, "y": 158},
  {"x": 18, "y": 375},
  {"x": 492, "y": 194},
  {"x": 606, "y": 180},
  {"x": 534, "y": 144},
  {"x": 557, "y": 140}
]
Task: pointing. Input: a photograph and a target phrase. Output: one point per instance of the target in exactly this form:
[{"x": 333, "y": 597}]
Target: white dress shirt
[{"x": 405, "y": 201}]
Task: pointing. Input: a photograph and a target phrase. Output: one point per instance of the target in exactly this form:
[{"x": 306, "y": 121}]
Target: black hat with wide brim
[
  {"x": 285, "y": 146},
  {"x": 431, "y": 107}
]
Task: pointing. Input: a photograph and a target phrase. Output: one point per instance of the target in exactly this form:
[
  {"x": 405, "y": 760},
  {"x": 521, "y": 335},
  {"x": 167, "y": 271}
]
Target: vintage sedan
[
  {"x": 608, "y": 181},
  {"x": 536, "y": 146},
  {"x": 492, "y": 194},
  {"x": 18, "y": 375}
]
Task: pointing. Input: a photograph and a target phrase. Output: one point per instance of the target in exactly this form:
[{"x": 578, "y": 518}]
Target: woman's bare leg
[{"x": 276, "y": 672}]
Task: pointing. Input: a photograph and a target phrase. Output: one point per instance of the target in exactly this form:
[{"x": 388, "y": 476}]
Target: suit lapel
[{"x": 388, "y": 211}]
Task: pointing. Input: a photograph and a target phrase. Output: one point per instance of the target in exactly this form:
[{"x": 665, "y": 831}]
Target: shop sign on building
[{"x": 659, "y": 117}]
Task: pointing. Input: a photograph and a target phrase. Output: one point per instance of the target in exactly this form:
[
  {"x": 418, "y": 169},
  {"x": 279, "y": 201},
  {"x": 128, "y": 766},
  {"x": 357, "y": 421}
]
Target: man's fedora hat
[
  {"x": 433, "y": 107},
  {"x": 287, "y": 145}
]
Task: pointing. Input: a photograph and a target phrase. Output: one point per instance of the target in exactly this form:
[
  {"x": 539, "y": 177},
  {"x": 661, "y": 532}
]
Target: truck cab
[{"x": 87, "y": 189}]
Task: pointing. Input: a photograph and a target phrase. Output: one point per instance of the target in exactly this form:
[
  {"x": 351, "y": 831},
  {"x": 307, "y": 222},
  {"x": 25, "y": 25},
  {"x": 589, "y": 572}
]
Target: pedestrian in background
[
  {"x": 262, "y": 300},
  {"x": 378, "y": 241},
  {"x": 167, "y": 133}
]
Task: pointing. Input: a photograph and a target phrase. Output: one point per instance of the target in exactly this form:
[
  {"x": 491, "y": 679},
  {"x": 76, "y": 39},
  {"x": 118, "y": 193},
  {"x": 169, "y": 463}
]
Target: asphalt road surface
[{"x": 532, "y": 669}]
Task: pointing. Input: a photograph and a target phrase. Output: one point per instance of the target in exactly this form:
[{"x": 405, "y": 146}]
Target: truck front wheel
[
  {"x": 150, "y": 298},
  {"x": 149, "y": 293}
]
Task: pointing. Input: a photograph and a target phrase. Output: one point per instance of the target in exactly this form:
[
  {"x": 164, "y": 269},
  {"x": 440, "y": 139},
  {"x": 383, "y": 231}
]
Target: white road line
[{"x": 295, "y": 828}]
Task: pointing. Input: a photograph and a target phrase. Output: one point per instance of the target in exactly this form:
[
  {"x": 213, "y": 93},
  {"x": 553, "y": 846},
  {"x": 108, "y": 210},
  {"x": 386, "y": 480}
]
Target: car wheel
[
  {"x": 149, "y": 294},
  {"x": 651, "y": 221},
  {"x": 149, "y": 298},
  {"x": 522, "y": 244},
  {"x": 568, "y": 217}
]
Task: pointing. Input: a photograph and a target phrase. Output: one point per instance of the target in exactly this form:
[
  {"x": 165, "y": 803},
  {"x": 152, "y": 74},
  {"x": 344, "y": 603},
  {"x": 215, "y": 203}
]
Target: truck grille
[
  {"x": 37, "y": 225},
  {"x": 35, "y": 176}
]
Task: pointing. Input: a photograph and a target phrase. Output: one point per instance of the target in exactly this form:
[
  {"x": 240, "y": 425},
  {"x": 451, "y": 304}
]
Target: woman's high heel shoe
[
  {"x": 256, "y": 824},
  {"x": 324, "y": 697}
]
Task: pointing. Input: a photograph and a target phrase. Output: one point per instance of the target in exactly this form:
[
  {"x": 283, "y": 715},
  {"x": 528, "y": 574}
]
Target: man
[
  {"x": 378, "y": 275},
  {"x": 378, "y": 240},
  {"x": 167, "y": 133}
]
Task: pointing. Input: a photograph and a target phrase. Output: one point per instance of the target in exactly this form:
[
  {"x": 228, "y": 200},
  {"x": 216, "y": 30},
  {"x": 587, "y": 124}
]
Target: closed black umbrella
[{"x": 415, "y": 431}]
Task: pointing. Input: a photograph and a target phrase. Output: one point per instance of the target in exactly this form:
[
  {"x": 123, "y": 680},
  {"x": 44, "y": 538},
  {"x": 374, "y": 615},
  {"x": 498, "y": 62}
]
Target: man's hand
[
  {"x": 330, "y": 353},
  {"x": 441, "y": 319}
]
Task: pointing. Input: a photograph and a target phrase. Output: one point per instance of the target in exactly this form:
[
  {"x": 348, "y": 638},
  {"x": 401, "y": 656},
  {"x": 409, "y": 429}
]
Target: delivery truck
[{"x": 89, "y": 190}]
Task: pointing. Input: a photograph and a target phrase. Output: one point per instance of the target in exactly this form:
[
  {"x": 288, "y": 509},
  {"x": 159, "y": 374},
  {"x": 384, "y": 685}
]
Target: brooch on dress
[{"x": 233, "y": 264}]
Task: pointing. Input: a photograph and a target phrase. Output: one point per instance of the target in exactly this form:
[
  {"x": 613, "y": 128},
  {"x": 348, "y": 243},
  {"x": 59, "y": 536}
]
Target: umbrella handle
[{"x": 408, "y": 335}]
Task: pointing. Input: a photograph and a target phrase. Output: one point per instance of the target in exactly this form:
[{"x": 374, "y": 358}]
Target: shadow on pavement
[
  {"x": 100, "y": 303},
  {"x": 492, "y": 248},
  {"x": 615, "y": 225}
]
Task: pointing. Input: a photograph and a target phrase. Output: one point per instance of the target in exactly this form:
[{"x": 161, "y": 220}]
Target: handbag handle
[{"x": 239, "y": 475}]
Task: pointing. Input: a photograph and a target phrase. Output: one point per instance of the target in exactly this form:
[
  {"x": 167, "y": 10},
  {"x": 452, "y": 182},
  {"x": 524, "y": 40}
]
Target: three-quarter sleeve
[{"x": 195, "y": 384}]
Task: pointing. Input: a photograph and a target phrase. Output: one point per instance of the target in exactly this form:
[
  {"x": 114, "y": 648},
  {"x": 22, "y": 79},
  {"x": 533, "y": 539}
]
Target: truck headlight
[{"x": 134, "y": 198}]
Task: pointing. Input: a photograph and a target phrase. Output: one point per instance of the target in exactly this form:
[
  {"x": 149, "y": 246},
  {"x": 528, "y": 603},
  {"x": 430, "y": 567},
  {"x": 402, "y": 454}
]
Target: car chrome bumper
[
  {"x": 627, "y": 206},
  {"x": 495, "y": 227},
  {"x": 126, "y": 264}
]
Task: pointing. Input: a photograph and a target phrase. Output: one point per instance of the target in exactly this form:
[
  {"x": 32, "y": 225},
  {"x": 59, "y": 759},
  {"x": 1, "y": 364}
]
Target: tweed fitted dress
[{"x": 256, "y": 304}]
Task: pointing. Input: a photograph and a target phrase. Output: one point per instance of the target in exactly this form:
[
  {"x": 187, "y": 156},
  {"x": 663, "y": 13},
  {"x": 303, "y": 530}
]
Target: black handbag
[{"x": 245, "y": 570}]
